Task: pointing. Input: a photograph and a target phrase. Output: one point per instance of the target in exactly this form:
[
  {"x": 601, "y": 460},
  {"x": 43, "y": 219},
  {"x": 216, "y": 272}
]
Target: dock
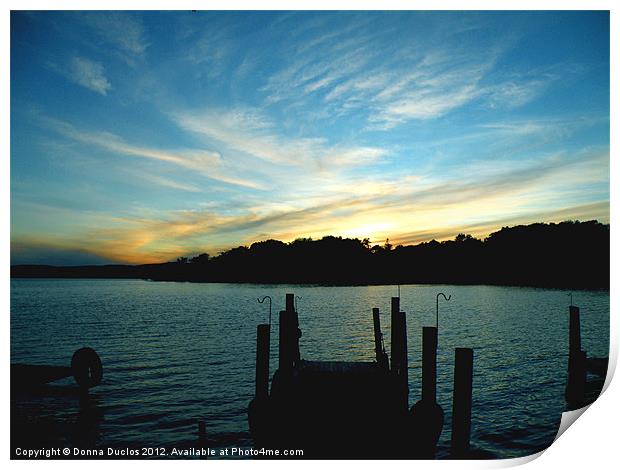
[
  {"x": 586, "y": 375},
  {"x": 340, "y": 409},
  {"x": 85, "y": 368}
]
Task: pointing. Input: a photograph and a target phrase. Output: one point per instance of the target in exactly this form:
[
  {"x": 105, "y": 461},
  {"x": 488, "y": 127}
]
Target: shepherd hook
[
  {"x": 260, "y": 301},
  {"x": 437, "y": 311}
]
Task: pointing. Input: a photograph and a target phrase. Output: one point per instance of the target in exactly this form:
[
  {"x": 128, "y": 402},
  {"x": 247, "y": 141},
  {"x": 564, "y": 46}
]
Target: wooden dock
[
  {"x": 333, "y": 409},
  {"x": 85, "y": 368},
  {"x": 586, "y": 375},
  {"x": 353, "y": 410}
]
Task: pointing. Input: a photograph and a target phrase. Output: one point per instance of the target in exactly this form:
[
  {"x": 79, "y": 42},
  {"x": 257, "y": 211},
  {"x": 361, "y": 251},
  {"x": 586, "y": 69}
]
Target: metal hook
[
  {"x": 296, "y": 298},
  {"x": 571, "y": 298},
  {"x": 437, "y": 311},
  {"x": 260, "y": 301}
]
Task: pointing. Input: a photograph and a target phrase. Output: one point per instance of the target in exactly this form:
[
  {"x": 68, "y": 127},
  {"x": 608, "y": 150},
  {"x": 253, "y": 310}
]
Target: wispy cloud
[
  {"x": 361, "y": 71},
  {"x": 169, "y": 183},
  {"x": 423, "y": 104},
  {"x": 212, "y": 46},
  {"x": 519, "y": 88},
  {"x": 322, "y": 63},
  {"x": 514, "y": 93},
  {"x": 205, "y": 162},
  {"x": 215, "y": 48},
  {"x": 119, "y": 29},
  {"x": 248, "y": 130},
  {"x": 89, "y": 74}
]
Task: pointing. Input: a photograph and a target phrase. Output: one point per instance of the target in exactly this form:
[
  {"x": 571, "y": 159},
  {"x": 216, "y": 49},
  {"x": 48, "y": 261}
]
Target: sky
[{"x": 138, "y": 137}]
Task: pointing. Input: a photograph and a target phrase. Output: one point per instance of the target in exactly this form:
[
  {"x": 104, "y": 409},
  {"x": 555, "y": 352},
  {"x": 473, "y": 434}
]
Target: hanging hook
[
  {"x": 571, "y": 298},
  {"x": 437, "y": 311},
  {"x": 296, "y": 299},
  {"x": 260, "y": 301}
]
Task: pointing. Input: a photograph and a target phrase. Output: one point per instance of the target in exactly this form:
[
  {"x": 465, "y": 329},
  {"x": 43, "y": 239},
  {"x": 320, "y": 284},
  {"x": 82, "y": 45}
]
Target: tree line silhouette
[{"x": 569, "y": 254}]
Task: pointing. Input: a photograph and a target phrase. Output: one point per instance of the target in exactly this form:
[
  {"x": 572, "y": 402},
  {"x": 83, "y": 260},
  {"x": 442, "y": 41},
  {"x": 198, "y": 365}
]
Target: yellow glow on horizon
[
  {"x": 373, "y": 231},
  {"x": 141, "y": 241}
]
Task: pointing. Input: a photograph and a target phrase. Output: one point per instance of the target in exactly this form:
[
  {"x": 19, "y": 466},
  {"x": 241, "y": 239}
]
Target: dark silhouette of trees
[
  {"x": 202, "y": 258},
  {"x": 387, "y": 246},
  {"x": 567, "y": 254}
]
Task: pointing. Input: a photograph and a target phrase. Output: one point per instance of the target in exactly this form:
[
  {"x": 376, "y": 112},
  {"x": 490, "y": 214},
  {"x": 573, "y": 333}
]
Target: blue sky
[{"x": 143, "y": 136}]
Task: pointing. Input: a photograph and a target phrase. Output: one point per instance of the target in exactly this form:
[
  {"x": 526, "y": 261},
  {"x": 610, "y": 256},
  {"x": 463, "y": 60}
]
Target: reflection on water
[{"x": 175, "y": 353}]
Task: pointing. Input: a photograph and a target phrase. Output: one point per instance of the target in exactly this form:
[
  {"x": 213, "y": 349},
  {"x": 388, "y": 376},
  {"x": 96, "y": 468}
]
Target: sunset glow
[{"x": 140, "y": 137}]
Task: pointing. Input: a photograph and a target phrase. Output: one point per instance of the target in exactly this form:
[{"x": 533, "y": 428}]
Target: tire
[{"x": 86, "y": 367}]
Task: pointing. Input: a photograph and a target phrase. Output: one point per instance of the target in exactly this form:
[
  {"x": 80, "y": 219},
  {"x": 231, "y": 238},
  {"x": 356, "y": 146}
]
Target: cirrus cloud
[{"x": 89, "y": 74}]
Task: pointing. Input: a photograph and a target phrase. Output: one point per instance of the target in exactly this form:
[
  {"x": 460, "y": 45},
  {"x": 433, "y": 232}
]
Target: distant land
[{"x": 569, "y": 254}]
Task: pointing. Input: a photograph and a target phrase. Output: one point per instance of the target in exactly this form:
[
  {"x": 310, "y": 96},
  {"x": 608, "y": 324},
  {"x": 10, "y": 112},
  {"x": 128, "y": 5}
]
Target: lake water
[{"x": 176, "y": 353}]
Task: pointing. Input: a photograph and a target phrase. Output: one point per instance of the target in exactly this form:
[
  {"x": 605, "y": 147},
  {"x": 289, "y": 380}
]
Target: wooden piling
[
  {"x": 377, "y": 327},
  {"x": 461, "y": 400},
  {"x": 263, "y": 333},
  {"x": 290, "y": 302},
  {"x": 574, "y": 339},
  {"x": 285, "y": 358},
  {"x": 382, "y": 359},
  {"x": 395, "y": 349},
  {"x": 289, "y": 334},
  {"x": 399, "y": 350},
  {"x": 295, "y": 335},
  {"x": 295, "y": 331},
  {"x": 404, "y": 363},
  {"x": 429, "y": 364},
  {"x": 575, "y": 386}
]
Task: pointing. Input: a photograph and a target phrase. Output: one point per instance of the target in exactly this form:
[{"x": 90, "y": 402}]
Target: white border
[{"x": 591, "y": 443}]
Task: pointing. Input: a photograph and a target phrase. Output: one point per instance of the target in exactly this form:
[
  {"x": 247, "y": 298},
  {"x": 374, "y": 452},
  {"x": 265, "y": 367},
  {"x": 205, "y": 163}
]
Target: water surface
[{"x": 176, "y": 353}]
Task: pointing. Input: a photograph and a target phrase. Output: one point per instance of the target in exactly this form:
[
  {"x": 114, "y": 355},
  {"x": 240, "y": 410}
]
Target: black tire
[{"x": 86, "y": 367}]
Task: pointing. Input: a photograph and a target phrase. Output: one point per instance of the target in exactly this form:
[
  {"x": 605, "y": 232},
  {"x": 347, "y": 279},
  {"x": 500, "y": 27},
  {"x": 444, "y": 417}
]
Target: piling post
[
  {"x": 259, "y": 408},
  {"x": 285, "y": 359},
  {"x": 395, "y": 335},
  {"x": 461, "y": 400},
  {"x": 575, "y": 386},
  {"x": 429, "y": 364},
  {"x": 263, "y": 333},
  {"x": 289, "y": 334},
  {"x": 379, "y": 352},
  {"x": 377, "y": 328},
  {"x": 426, "y": 415},
  {"x": 574, "y": 340},
  {"x": 399, "y": 350},
  {"x": 404, "y": 363},
  {"x": 290, "y": 302},
  {"x": 295, "y": 332}
]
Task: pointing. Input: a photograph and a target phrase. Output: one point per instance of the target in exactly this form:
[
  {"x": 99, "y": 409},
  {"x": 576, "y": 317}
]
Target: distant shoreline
[
  {"x": 568, "y": 255},
  {"x": 317, "y": 284}
]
